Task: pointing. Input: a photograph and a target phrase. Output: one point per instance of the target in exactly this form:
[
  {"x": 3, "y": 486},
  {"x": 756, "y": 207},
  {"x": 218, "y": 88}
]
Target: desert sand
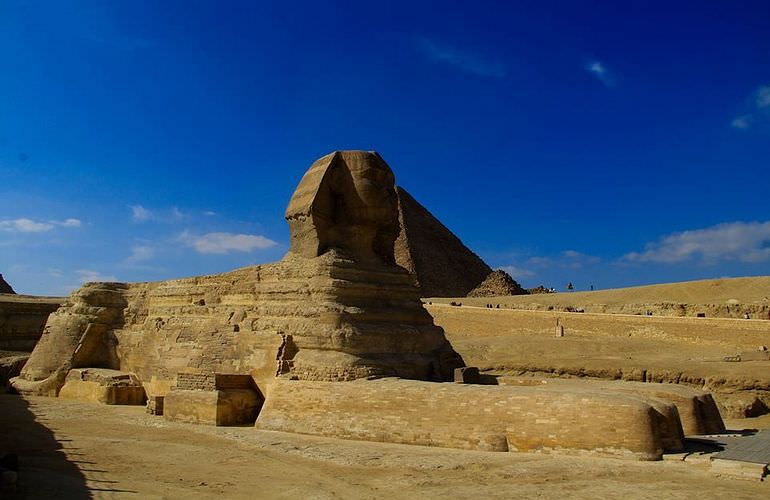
[
  {"x": 729, "y": 297},
  {"x": 74, "y": 450}
]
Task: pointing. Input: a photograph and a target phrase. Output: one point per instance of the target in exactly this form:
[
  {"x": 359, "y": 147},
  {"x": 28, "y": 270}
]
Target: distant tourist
[{"x": 570, "y": 287}]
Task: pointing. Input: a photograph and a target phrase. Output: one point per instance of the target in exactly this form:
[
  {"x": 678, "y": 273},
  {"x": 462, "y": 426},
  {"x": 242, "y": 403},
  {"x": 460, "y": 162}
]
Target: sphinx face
[
  {"x": 369, "y": 191},
  {"x": 347, "y": 201}
]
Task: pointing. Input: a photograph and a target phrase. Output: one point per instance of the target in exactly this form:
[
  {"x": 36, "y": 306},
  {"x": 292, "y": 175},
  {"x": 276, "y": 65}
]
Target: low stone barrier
[{"x": 478, "y": 417}]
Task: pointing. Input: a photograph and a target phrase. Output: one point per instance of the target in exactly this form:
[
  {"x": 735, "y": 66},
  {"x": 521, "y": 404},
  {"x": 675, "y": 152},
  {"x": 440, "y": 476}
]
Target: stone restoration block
[
  {"x": 213, "y": 399},
  {"x": 101, "y": 385}
]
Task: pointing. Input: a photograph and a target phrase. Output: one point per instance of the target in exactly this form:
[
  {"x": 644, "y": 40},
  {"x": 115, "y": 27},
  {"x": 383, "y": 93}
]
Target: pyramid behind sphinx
[
  {"x": 441, "y": 264},
  {"x": 4, "y": 286}
]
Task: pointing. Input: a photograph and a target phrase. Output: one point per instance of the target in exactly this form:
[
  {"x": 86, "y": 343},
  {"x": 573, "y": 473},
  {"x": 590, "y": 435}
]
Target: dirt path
[{"x": 79, "y": 450}]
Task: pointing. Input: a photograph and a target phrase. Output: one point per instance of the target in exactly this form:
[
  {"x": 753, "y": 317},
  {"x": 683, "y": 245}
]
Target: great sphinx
[
  {"x": 336, "y": 307},
  {"x": 335, "y": 341}
]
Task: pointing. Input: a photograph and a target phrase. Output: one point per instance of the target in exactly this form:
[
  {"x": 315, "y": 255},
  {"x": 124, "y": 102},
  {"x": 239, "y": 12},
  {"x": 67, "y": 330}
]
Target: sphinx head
[{"x": 345, "y": 201}]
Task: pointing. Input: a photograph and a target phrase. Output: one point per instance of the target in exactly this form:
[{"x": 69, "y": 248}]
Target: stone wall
[{"x": 491, "y": 418}]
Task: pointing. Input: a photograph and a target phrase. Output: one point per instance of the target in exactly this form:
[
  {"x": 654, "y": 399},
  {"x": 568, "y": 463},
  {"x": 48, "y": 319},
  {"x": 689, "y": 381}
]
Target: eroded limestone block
[
  {"x": 491, "y": 418},
  {"x": 697, "y": 410},
  {"x": 100, "y": 385},
  {"x": 22, "y": 319},
  {"x": 213, "y": 399},
  {"x": 155, "y": 405},
  {"x": 467, "y": 375},
  {"x": 74, "y": 336}
]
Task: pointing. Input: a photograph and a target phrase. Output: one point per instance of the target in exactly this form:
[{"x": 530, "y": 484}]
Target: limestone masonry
[
  {"x": 442, "y": 265},
  {"x": 294, "y": 344}
]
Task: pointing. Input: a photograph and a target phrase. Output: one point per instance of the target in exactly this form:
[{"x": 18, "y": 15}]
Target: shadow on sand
[{"x": 45, "y": 469}]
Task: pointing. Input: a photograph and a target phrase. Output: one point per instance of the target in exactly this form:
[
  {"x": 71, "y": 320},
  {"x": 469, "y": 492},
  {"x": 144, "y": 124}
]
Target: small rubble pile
[
  {"x": 4, "y": 286},
  {"x": 497, "y": 283}
]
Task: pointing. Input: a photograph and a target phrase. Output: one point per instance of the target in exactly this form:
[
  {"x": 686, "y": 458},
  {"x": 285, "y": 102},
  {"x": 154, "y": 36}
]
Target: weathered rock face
[
  {"x": 346, "y": 201},
  {"x": 442, "y": 265},
  {"x": 4, "y": 286},
  {"x": 496, "y": 284},
  {"x": 336, "y": 307},
  {"x": 22, "y": 319}
]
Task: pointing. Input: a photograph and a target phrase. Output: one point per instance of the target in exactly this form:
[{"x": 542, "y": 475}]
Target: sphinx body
[{"x": 306, "y": 332}]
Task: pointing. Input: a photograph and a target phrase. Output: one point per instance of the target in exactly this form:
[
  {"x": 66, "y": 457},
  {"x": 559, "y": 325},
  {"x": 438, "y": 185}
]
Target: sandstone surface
[{"x": 22, "y": 319}]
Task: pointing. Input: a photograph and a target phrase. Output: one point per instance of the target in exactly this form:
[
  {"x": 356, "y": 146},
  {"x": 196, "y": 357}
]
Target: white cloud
[
  {"x": 26, "y": 225},
  {"x": 140, "y": 214},
  {"x": 742, "y": 241},
  {"x": 600, "y": 71},
  {"x": 223, "y": 243},
  {"x": 87, "y": 275},
  {"x": 140, "y": 253},
  {"x": 763, "y": 96},
  {"x": 517, "y": 273},
  {"x": 742, "y": 122},
  {"x": 460, "y": 59},
  {"x": 761, "y": 113},
  {"x": 71, "y": 223},
  {"x": 568, "y": 259},
  {"x": 209, "y": 213}
]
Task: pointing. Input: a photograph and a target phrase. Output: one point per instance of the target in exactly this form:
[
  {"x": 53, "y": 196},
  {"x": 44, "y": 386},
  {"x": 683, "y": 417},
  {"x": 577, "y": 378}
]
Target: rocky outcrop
[
  {"x": 4, "y": 286},
  {"x": 22, "y": 318},
  {"x": 496, "y": 284},
  {"x": 442, "y": 265}
]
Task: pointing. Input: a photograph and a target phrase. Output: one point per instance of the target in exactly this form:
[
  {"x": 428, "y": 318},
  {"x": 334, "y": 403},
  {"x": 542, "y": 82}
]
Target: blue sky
[{"x": 626, "y": 143}]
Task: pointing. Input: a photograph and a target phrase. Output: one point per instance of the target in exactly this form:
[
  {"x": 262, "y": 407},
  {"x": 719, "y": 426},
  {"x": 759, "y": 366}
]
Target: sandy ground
[
  {"x": 752, "y": 290},
  {"x": 81, "y": 450},
  {"x": 501, "y": 339}
]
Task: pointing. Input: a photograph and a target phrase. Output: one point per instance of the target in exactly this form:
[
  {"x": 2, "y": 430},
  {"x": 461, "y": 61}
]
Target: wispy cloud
[
  {"x": 763, "y": 96},
  {"x": 88, "y": 275},
  {"x": 518, "y": 273},
  {"x": 568, "y": 259},
  {"x": 140, "y": 213},
  {"x": 760, "y": 113},
  {"x": 464, "y": 60},
  {"x": 27, "y": 225},
  {"x": 140, "y": 253},
  {"x": 742, "y": 122},
  {"x": 223, "y": 243},
  {"x": 741, "y": 241},
  {"x": 600, "y": 72}
]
